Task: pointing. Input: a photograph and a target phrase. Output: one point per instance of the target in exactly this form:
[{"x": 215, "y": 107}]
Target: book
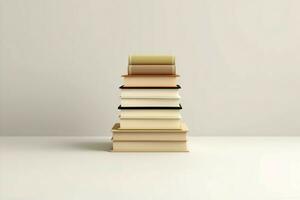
[
  {"x": 158, "y": 146},
  {"x": 150, "y": 80},
  {"x": 150, "y": 92},
  {"x": 151, "y": 137},
  {"x": 151, "y": 69},
  {"x": 150, "y": 123},
  {"x": 151, "y": 60},
  {"x": 116, "y": 128},
  {"x": 161, "y": 97},
  {"x": 149, "y": 134},
  {"x": 150, "y": 102},
  {"x": 149, "y": 113}
]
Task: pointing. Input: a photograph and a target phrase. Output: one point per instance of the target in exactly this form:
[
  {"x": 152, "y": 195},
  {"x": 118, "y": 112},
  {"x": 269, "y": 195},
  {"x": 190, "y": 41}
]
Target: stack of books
[{"x": 150, "y": 118}]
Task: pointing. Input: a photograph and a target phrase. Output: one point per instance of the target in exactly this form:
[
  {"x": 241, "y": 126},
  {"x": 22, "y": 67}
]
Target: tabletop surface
[{"x": 217, "y": 168}]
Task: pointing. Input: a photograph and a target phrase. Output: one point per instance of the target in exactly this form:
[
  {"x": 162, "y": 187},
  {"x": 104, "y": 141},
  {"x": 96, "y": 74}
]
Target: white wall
[{"x": 61, "y": 63}]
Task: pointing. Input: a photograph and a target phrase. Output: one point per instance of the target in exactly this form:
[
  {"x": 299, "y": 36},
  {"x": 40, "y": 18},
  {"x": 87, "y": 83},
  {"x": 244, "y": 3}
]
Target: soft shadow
[{"x": 93, "y": 146}]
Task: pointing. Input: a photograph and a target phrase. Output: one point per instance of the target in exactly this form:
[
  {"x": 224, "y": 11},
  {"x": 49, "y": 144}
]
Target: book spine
[
  {"x": 151, "y": 70},
  {"x": 151, "y": 60}
]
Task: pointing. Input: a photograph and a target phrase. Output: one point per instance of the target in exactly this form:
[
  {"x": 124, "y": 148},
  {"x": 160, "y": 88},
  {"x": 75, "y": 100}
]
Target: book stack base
[{"x": 147, "y": 140}]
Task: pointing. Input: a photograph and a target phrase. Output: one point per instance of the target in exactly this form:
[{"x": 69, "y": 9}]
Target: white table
[{"x": 82, "y": 168}]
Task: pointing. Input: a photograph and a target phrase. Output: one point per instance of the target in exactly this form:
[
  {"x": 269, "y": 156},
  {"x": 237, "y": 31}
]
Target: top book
[{"x": 151, "y": 60}]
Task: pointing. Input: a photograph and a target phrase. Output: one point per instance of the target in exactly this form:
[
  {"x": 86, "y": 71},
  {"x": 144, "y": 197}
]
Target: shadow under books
[{"x": 93, "y": 145}]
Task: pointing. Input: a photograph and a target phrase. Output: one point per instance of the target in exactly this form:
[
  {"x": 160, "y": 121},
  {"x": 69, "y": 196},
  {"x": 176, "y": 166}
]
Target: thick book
[
  {"x": 149, "y": 134},
  {"x": 151, "y": 69},
  {"x": 150, "y": 123},
  {"x": 150, "y": 80},
  {"x": 159, "y": 146},
  {"x": 151, "y": 60}
]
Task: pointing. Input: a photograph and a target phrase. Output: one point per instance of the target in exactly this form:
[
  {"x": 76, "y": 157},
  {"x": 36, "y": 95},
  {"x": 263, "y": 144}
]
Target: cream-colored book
[
  {"x": 150, "y": 113},
  {"x": 151, "y": 60},
  {"x": 149, "y": 134},
  {"x": 149, "y": 92},
  {"x": 150, "y": 123},
  {"x": 150, "y": 102},
  {"x": 149, "y": 137},
  {"x": 150, "y": 80},
  {"x": 122, "y": 146},
  {"x": 116, "y": 128}
]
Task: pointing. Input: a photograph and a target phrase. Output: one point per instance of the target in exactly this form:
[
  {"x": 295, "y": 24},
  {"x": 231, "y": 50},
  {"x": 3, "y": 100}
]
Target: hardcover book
[
  {"x": 151, "y": 60},
  {"x": 150, "y": 113},
  {"x": 151, "y": 69},
  {"x": 150, "y": 102},
  {"x": 149, "y": 134},
  {"x": 158, "y": 146},
  {"x": 150, "y": 80},
  {"x": 150, "y": 92},
  {"x": 150, "y": 123}
]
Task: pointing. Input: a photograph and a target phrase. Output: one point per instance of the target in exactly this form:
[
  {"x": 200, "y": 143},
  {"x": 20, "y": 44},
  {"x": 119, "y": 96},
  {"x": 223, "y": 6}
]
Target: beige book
[
  {"x": 150, "y": 113},
  {"x": 122, "y": 146},
  {"x": 149, "y": 137},
  {"x": 148, "y": 123},
  {"x": 116, "y": 129},
  {"x": 150, "y": 102},
  {"x": 149, "y": 93},
  {"x": 151, "y": 60},
  {"x": 150, "y": 80},
  {"x": 151, "y": 69},
  {"x": 148, "y": 134}
]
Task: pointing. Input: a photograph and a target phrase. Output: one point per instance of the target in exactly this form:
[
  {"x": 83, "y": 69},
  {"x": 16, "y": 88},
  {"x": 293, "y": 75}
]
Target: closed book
[
  {"x": 183, "y": 129},
  {"x": 150, "y": 102},
  {"x": 151, "y": 69},
  {"x": 149, "y": 113},
  {"x": 150, "y": 80},
  {"x": 159, "y": 146},
  {"x": 150, "y": 123},
  {"x": 147, "y": 97},
  {"x": 151, "y": 60},
  {"x": 150, "y": 92},
  {"x": 149, "y": 134},
  {"x": 149, "y": 137}
]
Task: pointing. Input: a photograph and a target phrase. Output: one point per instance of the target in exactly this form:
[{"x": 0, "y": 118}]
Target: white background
[{"x": 61, "y": 63}]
